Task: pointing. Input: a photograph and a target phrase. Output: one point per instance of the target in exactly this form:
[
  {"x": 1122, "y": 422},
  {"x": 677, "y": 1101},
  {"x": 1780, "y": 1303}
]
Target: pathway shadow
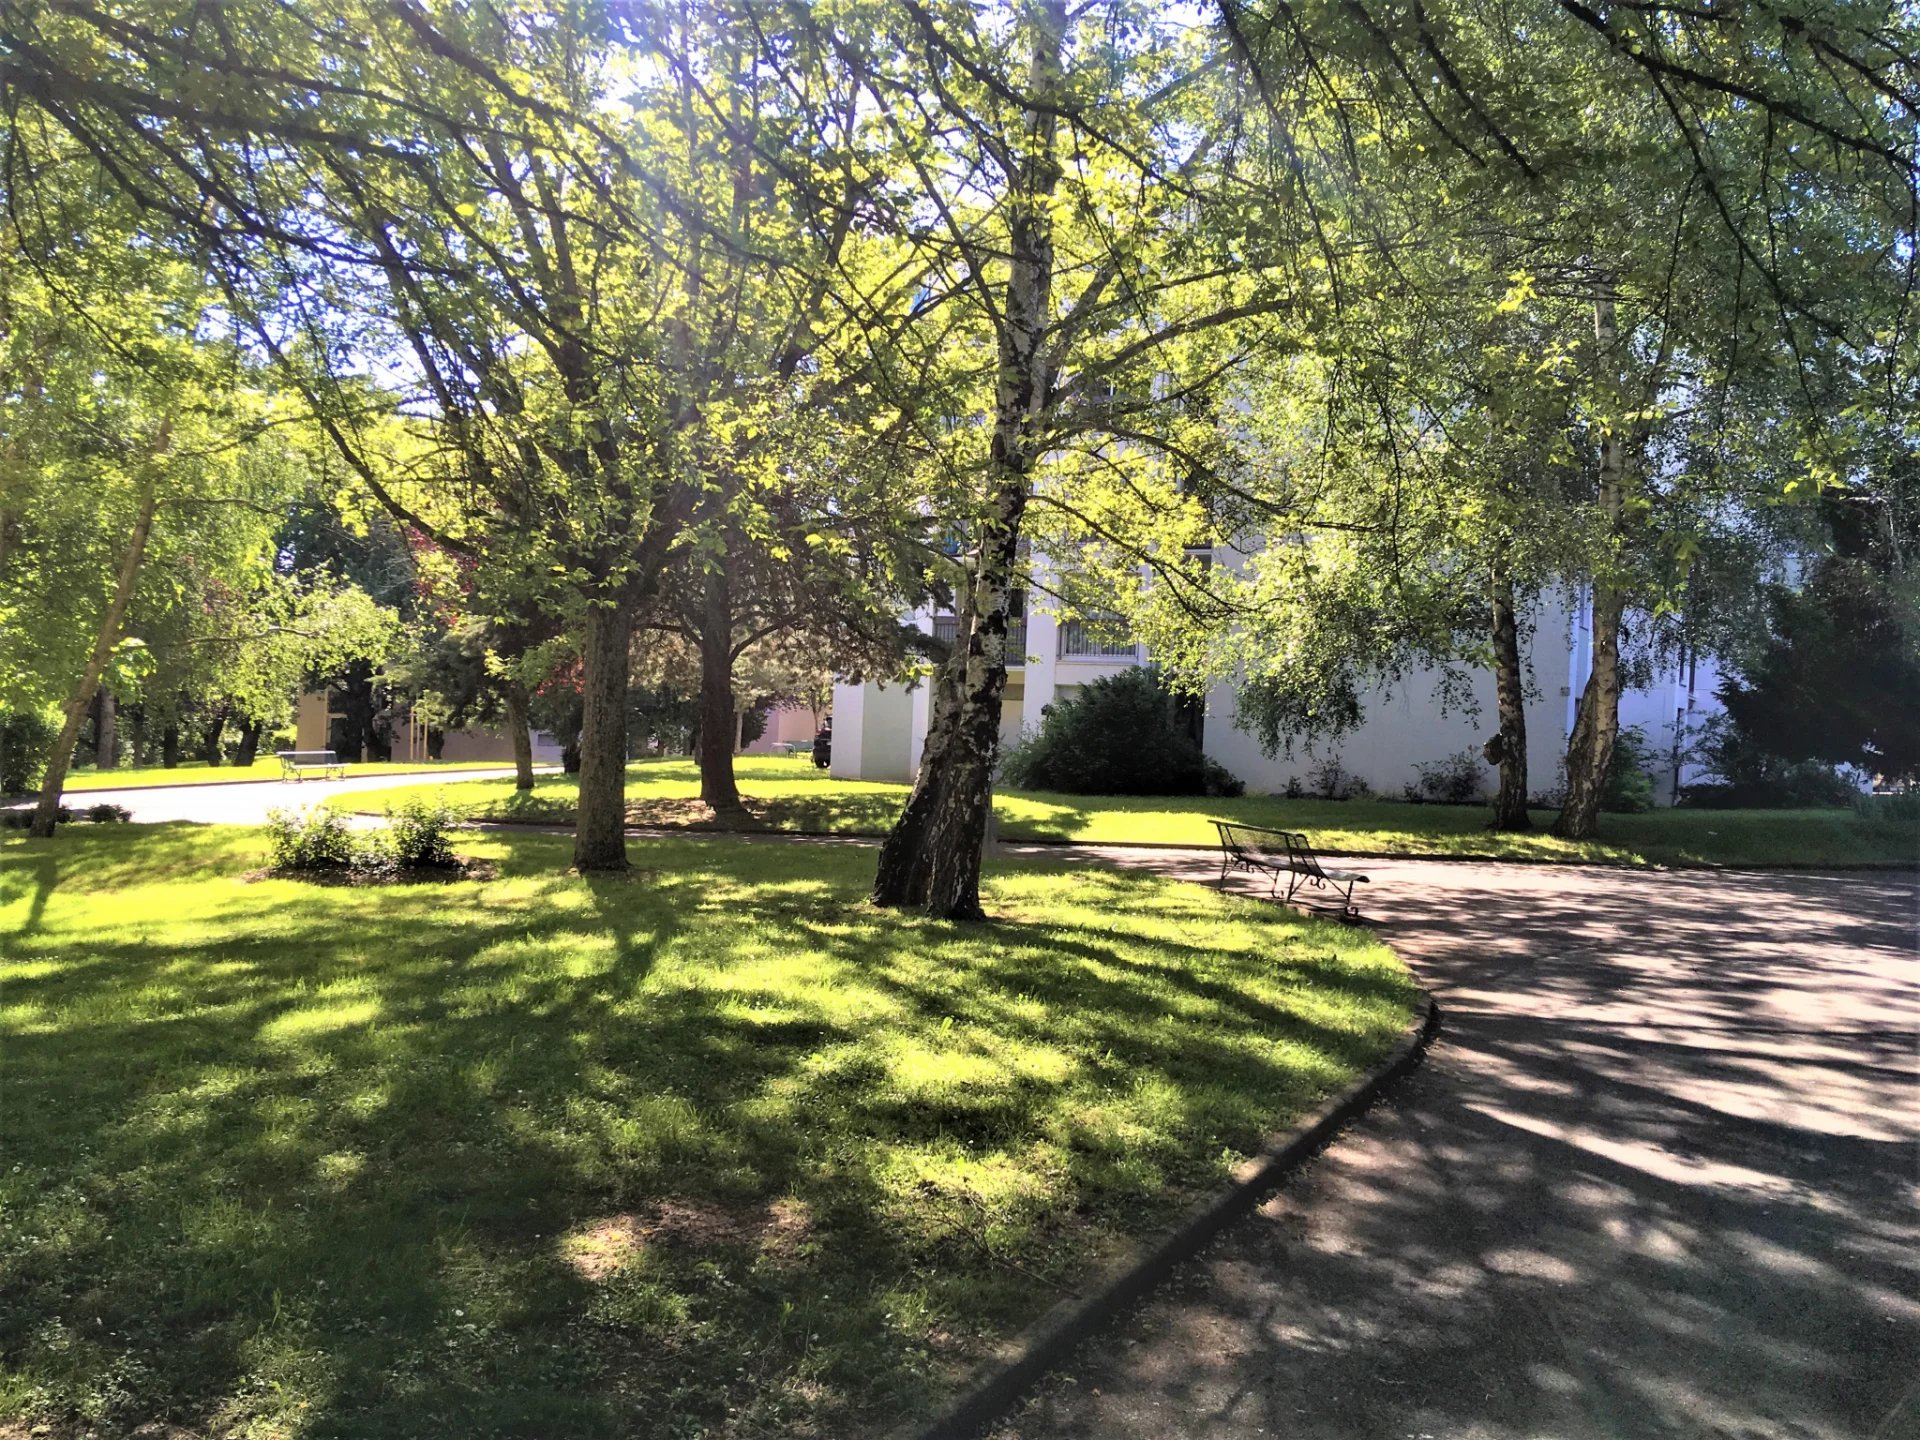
[{"x": 1653, "y": 1180}]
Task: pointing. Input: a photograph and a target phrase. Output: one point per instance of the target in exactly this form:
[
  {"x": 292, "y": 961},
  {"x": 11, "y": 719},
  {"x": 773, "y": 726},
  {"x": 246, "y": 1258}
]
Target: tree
[
  {"x": 1725, "y": 189},
  {"x": 479, "y": 238},
  {"x": 1051, "y": 164},
  {"x": 133, "y": 428}
]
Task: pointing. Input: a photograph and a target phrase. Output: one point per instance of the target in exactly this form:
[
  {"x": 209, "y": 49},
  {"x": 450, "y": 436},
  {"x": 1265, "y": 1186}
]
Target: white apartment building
[{"x": 879, "y": 729}]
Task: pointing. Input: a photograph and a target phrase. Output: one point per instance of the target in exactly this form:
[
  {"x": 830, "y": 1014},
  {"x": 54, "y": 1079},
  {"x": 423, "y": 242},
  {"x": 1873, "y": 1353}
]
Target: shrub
[
  {"x": 1120, "y": 736},
  {"x": 1900, "y": 809},
  {"x": 416, "y": 836},
  {"x": 106, "y": 813},
  {"x": 1456, "y": 780},
  {"x": 1331, "y": 781},
  {"x": 25, "y": 738},
  {"x": 21, "y": 819},
  {"x": 1629, "y": 787},
  {"x": 315, "y": 839},
  {"x": 1746, "y": 777},
  {"x": 1222, "y": 782}
]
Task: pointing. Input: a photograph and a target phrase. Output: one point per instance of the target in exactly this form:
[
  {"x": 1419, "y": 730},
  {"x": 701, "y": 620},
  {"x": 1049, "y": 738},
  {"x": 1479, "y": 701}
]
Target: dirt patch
[
  {"x": 690, "y": 815},
  {"x": 604, "y": 1247}
]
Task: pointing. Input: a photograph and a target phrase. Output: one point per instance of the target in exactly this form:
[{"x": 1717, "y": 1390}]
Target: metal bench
[
  {"x": 1282, "y": 853},
  {"x": 298, "y": 764}
]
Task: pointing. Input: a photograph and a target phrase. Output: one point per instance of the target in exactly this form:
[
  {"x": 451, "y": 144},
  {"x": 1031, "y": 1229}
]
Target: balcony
[
  {"x": 946, "y": 628},
  {"x": 1097, "y": 640}
]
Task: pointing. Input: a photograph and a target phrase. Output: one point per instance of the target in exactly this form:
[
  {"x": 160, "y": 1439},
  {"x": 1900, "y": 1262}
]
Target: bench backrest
[
  {"x": 307, "y": 757},
  {"x": 1272, "y": 847},
  {"x": 1254, "y": 842},
  {"x": 1303, "y": 859}
]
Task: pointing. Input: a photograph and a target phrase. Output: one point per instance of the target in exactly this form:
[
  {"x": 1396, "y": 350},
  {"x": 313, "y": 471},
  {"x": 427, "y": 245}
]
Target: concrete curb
[{"x": 1052, "y": 1338}]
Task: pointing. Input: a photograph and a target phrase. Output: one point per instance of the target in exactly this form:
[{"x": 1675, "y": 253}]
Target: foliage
[
  {"x": 107, "y": 813},
  {"x": 1458, "y": 779},
  {"x": 1121, "y": 735},
  {"x": 1629, "y": 787},
  {"x": 723, "y": 1153},
  {"x": 21, "y": 819},
  {"x": 26, "y": 734},
  {"x": 416, "y": 836},
  {"x": 1838, "y": 679},
  {"x": 1902, "y": 809},
  {"x": 1748, "y": 777},
  {"x": 315, "y": 839},
  {"x": 1330, "y": 780}
]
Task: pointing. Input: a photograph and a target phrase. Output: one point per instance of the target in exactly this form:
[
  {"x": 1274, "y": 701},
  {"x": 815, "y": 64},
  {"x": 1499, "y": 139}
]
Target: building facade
[{"x": 879, "y": 730}]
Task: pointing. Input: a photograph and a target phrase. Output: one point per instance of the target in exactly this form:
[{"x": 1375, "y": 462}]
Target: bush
[
  {"x": 1119, "y": 736},
  {"x": 25, "y": 738},
  {"x": 1900, "y": 809},
  {"x": 416, "y": 836},
  {"x": 1331, "y": 781},
  {"x": 106, "y": 813},
  {"x": 1456, "y": 780},
  {"x": 316, "y": 839},
  {"x": 1629, "y": 788},
  {"x": 21, "y": 819},
  {"x": 1746, "y": 777},
  {"x": 1222, "y": 782}
]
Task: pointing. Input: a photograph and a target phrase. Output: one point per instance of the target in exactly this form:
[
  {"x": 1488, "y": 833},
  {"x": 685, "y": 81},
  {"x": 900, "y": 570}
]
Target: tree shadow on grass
[{"x": 709, "y": 1146}]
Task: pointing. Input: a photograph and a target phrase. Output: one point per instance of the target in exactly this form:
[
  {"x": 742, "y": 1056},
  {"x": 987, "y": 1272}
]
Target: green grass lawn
[
  {"x": 197, "y": 772},
  {"x": 790, "y": 794},
  {"x": 713, "y": 1150}
]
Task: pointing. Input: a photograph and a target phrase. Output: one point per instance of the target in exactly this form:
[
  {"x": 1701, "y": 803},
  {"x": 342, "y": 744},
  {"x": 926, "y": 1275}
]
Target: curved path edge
[{"x": 1078, "y": 1318}]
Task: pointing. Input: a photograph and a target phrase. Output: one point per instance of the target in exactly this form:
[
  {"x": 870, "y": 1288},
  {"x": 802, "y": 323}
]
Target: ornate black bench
[{"x": 1282, "y": 853}]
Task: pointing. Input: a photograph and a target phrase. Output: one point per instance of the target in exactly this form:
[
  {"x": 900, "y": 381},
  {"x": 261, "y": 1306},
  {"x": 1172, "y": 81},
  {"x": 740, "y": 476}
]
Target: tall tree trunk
[
  {"x": 106, "y": 740},
  {"x": 1510, "y": 804},
  {"x": 213, "y": 735},
  {"x": 250, "y": 730},
  {"x": 931, "y": 857},
  {"x": 46, "y": 814},
  {"x": 600, "y": 826},
  {"x": 519, "y": 728},
  {"x": 170, "y": 745},
  {"x": 139, "y": 713},
  {"x": 1597, "y": 721},
  {"x": 718, "y": 725}
]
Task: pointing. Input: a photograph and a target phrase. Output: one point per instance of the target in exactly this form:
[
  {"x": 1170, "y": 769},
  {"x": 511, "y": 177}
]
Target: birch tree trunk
[
  {"x": 1510, "y": 803},
  {"x": 931, "y": 858},
  {"x": 47, "y": 812},
  {"x": 519, "y": 729},
  {"x": 1597, "y": 721},
  {"x": 600, "y": 824}
]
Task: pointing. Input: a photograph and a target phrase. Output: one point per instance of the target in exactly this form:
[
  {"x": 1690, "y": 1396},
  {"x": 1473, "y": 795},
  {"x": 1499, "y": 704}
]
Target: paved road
[
  {"x": 1656, "y": 1178},
  {"x": 248, "y": 803}
]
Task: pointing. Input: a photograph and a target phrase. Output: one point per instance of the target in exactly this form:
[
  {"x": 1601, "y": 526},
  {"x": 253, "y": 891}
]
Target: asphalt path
[{"x": 1657, "y": 1178}]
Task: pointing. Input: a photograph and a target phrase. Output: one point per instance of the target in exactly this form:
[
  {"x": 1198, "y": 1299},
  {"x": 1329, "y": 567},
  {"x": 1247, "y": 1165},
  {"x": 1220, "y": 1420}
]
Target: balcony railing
[
  {"x": 947, "y": 627},
  {"x": 1097, "y": 640}
]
